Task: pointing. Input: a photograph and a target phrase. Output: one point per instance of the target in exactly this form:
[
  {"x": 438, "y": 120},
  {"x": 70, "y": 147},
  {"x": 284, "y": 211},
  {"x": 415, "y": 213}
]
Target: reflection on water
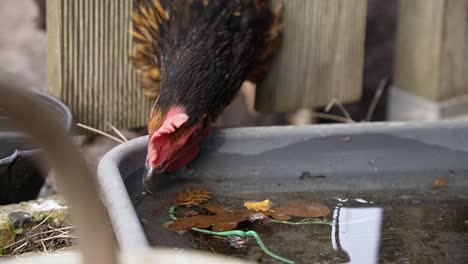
[{"x": 356, "y": 231}]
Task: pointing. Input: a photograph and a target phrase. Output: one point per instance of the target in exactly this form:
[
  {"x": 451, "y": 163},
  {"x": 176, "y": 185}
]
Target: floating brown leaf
[
  {"x": 439, "y": 183},
  {"x": 193, "y": 196},
  {"x": 191, "y": 213},
  {"x": 278, "y": 215},
  {"x": 294, "y": 208},
  {"x": 222, "y": 219},
  {"x": 302, "y": 208},
  {"x": 257, "y": 206},
  {"x": 265, "y": 208}
]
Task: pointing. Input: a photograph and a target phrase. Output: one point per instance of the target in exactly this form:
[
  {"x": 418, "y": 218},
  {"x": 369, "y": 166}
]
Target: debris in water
[
  {"x": 222, "y": 222},
  {"x": 258, "y": 206},
  {"x": 191, "y": 213},
  {"x": 236, "y": 241},
  {"x": 293, "y": 208},
  {"x": 306, "y": 175},
  {"x": 439, "y": 183},
  {"x": 222, "y": 219},
  {"x": 280, "y": 216},
  {"x": 193, "y": 196},
  {"x": 235, "y": 233},
  {"x": 303, "y": 208}
]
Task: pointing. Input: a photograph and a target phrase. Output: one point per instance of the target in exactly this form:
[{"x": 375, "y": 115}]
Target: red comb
[{"x": 174, "y": 119}]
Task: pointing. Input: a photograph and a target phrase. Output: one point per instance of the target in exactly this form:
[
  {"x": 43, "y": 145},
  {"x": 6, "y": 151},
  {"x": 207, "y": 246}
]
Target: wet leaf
[
  {"x": 194, "y": 196},
  {"x": 225, "y": 226},
  {"x": 191, "y": 213},
  {"x": 302, "y": 208},
  {"x": 439, "y": 183},
  {"x": 279, "y": 216},
  {"x": 257, "y": 206},
  {"x": 265, "y": 208},
  {"x": 222, "y": 219}
]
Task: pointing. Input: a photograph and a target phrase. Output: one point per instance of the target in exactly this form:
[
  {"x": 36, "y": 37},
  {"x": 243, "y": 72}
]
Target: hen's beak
[{"x": 149, "y": 175}]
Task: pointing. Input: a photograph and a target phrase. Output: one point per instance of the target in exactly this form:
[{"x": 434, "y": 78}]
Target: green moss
[
  {"x": 55, "y": 217},
  {"x": 16, "y": 231}
]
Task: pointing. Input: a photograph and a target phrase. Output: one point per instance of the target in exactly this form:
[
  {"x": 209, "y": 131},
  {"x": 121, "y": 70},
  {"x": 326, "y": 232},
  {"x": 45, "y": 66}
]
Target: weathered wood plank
[
  {"x": 321, "y": 57},
  {"x": 54, "y": 47},
  {"x": 454, "y": 68},
  {"x": 418, "y": 52},
  {"x": 88, "y": 66},
  {"x": 432, "y": 48}
]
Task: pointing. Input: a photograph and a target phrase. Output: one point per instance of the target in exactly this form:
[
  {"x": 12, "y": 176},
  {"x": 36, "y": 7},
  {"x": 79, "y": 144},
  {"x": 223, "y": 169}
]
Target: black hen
[{"x": 193, "y": 56}]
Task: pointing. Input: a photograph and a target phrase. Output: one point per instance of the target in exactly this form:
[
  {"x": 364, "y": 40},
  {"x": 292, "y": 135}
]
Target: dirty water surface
[{"x": 384, "y": 226}]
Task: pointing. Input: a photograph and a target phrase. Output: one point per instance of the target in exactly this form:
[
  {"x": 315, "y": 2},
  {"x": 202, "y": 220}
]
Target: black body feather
[{"x": 198, "y": 52}]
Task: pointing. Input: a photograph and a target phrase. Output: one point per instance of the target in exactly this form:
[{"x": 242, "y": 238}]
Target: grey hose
[{"x": 75, "y": 179}]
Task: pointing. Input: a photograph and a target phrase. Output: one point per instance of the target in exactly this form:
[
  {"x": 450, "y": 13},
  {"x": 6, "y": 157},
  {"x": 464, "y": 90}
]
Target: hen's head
[{"x": 173, "y": 140}]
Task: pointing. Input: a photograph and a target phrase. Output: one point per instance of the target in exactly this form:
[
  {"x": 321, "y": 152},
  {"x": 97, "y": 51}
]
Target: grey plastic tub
[
  {"x": 20, "y": 178},
  {"x": 369, "y": 156}
]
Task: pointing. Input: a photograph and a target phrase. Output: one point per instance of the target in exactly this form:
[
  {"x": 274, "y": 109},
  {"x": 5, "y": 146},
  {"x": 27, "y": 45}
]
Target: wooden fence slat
[
  {"x": 88, "y": 66},
  {"x": 321, "y": 57},
  {"x": 431, "y": 64},
  {"x": 418, "y": 49},
  {"x": 432, "y": 48},
  {"x": 454, "y": 72}
]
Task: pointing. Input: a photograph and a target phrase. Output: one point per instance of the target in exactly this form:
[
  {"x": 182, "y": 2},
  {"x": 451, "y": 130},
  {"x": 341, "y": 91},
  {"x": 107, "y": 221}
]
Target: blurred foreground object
[{"x": 73, "y": 175}]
